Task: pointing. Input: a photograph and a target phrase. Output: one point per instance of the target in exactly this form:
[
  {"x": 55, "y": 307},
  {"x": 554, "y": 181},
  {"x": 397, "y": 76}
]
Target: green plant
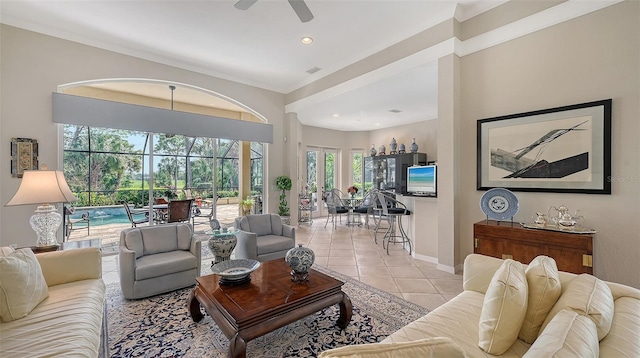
[{"x": 283, "y": 183}]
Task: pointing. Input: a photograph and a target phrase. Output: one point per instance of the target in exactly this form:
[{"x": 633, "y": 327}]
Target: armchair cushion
[
  {"x": 273, "y": 243},
  {"x": 156, "y": 265},
  {"x": 162, "y": 239},
  {"x": 258, "y": 224},
  {"x": 22, "y": 285}
]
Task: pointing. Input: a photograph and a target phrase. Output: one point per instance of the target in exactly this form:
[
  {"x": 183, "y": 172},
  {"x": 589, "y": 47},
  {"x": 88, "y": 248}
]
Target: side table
[{"x": 68, "y": 245}]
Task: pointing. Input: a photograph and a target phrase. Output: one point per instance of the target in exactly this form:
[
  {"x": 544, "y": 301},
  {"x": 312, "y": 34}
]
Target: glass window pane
[{"x": 76, "y": 137}]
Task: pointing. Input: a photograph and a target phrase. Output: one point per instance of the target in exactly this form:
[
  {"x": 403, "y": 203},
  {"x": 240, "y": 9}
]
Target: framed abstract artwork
[
  {"x": 563, "y": 150},
  {"x": 24, "y": 156}
]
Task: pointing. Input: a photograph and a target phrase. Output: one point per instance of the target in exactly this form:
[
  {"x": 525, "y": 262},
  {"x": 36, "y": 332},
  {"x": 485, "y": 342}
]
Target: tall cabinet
[{"x": 389, "y": 172}]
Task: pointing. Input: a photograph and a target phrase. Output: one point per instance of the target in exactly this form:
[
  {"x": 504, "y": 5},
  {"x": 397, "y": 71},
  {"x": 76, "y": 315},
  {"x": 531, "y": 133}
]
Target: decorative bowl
[{"x": 235, "y": 270}]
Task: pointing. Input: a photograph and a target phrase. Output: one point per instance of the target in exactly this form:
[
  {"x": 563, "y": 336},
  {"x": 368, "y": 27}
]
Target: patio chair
[
  {"x": 180, "y": 210},
  {"x": 131, "y": 212},
  {"x": 75, "y": 224}
]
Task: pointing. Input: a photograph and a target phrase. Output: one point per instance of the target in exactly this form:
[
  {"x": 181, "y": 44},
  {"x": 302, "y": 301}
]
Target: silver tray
[{"x": 552, "y": 227}]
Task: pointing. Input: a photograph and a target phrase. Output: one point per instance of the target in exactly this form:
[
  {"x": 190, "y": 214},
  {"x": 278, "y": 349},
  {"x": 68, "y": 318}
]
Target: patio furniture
[
  {"x": 370, "y": 198},
  {"x": 75, "y": 224},
  {"x": 263, "y": 237},
  {"x": 131, "y": 212},
  {"x": 179, "y": 210},
  {"x": 157, "y": 259}
]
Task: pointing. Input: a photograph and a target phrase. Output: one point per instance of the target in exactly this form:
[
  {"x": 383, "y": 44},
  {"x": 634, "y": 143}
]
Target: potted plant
[
  {"x": 283, "y": 183},
  {"x": 246, "y": 205}
]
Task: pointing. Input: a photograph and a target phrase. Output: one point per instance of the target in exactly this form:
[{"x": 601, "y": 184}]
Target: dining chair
[
  {"x": 392, "y": 211},
  {"x": 366, "y": 207},
  {"x": 131, "y": 212},
  {"x": 335, "y": 206},
  {"x": 180, "y": 210}
]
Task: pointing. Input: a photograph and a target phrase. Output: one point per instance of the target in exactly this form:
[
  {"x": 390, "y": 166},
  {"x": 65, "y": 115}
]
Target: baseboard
[{"x": 434, "y": 260}]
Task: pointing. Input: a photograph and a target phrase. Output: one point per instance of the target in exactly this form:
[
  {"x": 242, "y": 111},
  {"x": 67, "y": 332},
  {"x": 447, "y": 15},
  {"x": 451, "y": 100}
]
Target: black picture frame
[
  {"x": 24, "y": 156},
  {"x": 560, "y": 150}
]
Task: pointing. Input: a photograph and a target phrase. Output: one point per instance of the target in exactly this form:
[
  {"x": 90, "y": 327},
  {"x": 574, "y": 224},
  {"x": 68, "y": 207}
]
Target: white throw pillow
[
  {"x": 428, "y": 347},
  {"x": 544, "y": 290},
  {"x": 588, "y": 296},
  {"x": 568, "y": 334},
  {"x": 22, "y": 285},
  {"x": 503, "y": 309}
]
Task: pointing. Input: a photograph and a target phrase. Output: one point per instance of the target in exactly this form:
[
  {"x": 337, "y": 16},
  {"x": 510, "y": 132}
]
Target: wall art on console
[
  {"x": 24, "y": 156},
  {"x": 563, "y": 150}
]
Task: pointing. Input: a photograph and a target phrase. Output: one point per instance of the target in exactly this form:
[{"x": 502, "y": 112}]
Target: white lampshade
[{"x": 42, "y": 186}]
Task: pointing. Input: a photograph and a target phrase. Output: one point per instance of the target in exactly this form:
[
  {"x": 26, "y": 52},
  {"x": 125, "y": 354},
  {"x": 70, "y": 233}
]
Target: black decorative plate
[{"x": 499, "y": 204}]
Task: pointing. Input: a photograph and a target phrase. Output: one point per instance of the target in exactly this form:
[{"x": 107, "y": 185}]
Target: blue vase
[{"x": 414, "y": 147}]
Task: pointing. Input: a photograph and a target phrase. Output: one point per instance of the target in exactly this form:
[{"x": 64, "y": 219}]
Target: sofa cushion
[
  {"x": 150, "y": 266},
  {"x": 273, "y": 243},
  {"x": 503, "y": 309},
  {"x": 66, "y": 324},
  {"x": 544, "y": 289},
  {"x": 427, "y": 347},
  {"x": 159, "y": 238},
  {"x": 22, "y": 285},
  {"x": 587, "y": 296},
  {"x": 568, "y": 334}
]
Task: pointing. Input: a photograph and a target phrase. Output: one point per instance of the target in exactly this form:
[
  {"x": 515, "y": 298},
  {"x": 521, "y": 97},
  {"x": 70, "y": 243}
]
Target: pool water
[{"x": 103, "y": 215}]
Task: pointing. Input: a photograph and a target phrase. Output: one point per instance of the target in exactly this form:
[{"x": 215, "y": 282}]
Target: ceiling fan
[{"x": 301, "y": 9}]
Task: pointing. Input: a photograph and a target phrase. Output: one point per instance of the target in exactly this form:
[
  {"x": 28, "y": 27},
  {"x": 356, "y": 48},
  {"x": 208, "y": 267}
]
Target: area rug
[{"x": 160, "y": 326}]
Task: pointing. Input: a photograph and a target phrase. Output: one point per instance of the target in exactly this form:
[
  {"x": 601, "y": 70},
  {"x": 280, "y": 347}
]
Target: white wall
[
  {"x": 33, "y": 65},
  {"x": 589, "y": 58}
]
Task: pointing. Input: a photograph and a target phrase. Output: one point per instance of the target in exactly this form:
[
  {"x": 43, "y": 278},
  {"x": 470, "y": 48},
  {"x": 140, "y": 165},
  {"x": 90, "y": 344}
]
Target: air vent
[
  {"x": 313, "y": 70},
  {"x": 395, "y": 110}
]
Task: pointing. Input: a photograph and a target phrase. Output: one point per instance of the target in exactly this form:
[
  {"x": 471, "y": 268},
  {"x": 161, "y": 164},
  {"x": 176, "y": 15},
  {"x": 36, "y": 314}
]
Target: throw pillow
[
  {"x": 587, "y": 296},
  {"x": 22, "y": 285},
  {"x": 568, "y": 334},
  {"x": 543, "y": 281},
  {"x": 503, "y": 309},
  {"x": 428, "y": 347}
]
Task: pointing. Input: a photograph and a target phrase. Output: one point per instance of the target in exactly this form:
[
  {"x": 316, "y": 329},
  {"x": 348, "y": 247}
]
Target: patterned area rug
[{"x": 160, "y": 326}]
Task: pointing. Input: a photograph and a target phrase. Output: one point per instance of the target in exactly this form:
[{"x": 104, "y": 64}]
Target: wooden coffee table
[{"x": 270, "y": 301}]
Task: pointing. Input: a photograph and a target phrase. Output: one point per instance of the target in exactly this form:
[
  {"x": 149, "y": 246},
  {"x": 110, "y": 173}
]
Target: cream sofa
[
  {"x": 69, "y": 321},
  {"x": 453, "y": 329}
]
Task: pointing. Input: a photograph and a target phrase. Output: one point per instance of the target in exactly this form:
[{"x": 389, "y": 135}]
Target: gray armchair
[
  {"x": 263, "y": 237},
  {"x": 158, "y": 259}
]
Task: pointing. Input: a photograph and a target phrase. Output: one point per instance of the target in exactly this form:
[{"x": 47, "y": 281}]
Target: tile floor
[{"x": 352, "y": 252}]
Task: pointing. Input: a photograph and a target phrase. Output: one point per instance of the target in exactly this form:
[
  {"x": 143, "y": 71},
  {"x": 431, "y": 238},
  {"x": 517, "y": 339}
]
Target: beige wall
[
  {"x": 592, "y": 57},
  {"x": 33, "y": 65}
]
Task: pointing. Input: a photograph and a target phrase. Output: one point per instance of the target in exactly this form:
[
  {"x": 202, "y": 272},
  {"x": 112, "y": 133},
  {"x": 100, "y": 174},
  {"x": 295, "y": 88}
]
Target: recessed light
[
  {"x": 306, "y": 40},
  {"x": 336, "y": 115},
  {"x": 377, "y": 124}
]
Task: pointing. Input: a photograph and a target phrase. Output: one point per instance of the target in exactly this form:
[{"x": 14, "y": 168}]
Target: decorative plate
[
  {"x": 499, "y": 204},
  {"x": 235, "y": 269}
]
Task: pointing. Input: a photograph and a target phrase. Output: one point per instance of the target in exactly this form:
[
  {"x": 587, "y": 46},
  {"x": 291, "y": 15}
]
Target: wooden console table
[{"x": 507, "y": 240}]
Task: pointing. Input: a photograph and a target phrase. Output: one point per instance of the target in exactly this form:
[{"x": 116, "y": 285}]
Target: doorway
[{"x": 322, "y": 175}]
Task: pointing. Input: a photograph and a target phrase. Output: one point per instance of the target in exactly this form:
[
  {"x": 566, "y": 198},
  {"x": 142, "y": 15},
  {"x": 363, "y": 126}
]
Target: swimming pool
[{"x": 103, "y": 215}]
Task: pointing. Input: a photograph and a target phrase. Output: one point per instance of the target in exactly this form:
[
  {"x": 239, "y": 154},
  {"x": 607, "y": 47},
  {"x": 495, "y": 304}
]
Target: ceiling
[{"x": 261, "y": 46}]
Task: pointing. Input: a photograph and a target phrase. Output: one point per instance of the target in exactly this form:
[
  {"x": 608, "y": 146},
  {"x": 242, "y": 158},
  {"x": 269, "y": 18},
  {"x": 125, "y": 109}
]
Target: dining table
[
  {"x": 161, "y": 211},
  {"x": 353, "y": 218}
]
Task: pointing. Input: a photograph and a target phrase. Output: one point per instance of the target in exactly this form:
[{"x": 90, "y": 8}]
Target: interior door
[{"x": 322, "y": 174}]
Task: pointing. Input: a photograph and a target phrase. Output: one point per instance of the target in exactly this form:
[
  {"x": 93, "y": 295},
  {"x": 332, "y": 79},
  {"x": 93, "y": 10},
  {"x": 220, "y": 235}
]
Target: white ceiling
[{"x": 261, "y": 46}]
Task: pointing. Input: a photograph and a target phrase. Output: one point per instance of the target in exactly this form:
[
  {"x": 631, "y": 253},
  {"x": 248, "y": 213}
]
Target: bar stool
[{"x": 393, "y": 210}]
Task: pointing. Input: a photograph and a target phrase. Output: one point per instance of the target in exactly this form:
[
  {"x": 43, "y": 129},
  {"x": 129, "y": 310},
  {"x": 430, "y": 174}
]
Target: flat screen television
[{"x": 422, "y": 180}]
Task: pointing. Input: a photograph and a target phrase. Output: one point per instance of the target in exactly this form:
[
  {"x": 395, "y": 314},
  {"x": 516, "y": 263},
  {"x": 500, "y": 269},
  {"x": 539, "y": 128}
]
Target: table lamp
[{"x": 49, "y": 187}]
